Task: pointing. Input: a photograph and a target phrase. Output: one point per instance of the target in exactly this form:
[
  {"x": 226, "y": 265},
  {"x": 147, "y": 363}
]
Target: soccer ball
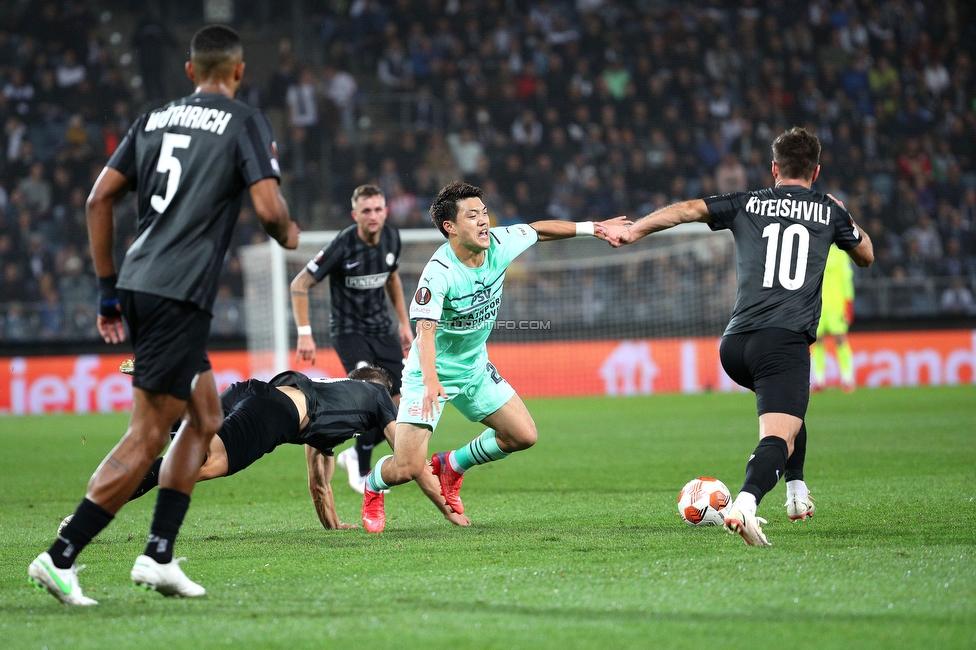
[
  {"x": 703, "y": 500},
  {"x": 65, "y": 522}
]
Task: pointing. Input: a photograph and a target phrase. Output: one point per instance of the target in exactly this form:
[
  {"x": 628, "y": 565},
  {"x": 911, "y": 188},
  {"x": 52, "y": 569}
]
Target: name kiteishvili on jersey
[{"x": 790, "y": 208}]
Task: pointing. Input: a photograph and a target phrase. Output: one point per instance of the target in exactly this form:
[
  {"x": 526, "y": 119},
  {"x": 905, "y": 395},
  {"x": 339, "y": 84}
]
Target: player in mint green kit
[{"x": 455, "y": 308}]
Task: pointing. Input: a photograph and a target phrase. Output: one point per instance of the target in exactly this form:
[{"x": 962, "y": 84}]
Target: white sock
[
  {"x": 796, "y": 490},
  {"x": 454, "y": 464},
  {"x": 746, "y": 503}
]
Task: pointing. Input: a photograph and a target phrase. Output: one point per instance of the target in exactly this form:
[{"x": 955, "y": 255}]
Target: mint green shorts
[{"x": 476, "y": 397}]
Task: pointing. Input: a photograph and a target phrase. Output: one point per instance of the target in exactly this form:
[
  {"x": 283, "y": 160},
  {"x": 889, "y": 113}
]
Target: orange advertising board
[
  {"x": 92, "y": 383},
  {"x": 691, "y": 365}
]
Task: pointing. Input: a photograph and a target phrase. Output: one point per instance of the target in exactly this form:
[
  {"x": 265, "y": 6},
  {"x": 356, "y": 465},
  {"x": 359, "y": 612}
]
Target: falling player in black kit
[
  {"x": 782, "y": 237},
  {"x": 361, "y": 263},
  {"x": 290, "y": 408},
  {"x": 191, "y": 163}
]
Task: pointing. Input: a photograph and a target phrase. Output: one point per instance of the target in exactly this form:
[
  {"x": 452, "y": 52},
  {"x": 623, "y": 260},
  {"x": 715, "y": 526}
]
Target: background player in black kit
[
  {"x": 361, "y": 263},
  {"x": 782, "y": 237},
  {"x": 318, "y": 413},
  {"x": 191, "y": 163}
]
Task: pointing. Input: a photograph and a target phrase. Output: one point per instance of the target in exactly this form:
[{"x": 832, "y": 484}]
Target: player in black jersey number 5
[
  {"x": 782, "y": 237},
  {"x": 190, "y": 163},
  {"x": 361, "y": 263}
]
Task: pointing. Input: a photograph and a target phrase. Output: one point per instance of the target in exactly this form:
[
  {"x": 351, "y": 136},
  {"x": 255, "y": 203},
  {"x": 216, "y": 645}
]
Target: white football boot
[
  {"x": 800, "y": 508},
  {"x": 167, "y": 579},
  {"x": 747, "y": 526},
  {"x": 60, "y": 583},
  {"x": 349, "y": 461}
]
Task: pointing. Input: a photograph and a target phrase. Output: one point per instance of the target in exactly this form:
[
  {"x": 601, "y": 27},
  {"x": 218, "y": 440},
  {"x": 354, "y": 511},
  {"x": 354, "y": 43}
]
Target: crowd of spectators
[
  {"x": 64, "y": 108},
  {"x": 558, "y": 109},
  {"x": 65, "y": 104},
  {"x": 594, "y": 108}
]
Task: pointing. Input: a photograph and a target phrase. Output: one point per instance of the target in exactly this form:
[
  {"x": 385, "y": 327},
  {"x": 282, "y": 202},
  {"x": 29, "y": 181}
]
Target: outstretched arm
[
  {"x": 669, "y": 217},
  {"x": 320, "y": 470},
  {"x": 429, "y": 485},
  {"x": 553, "y": 230}
]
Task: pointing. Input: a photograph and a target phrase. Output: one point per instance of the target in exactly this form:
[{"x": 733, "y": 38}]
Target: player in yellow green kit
[
  {"x": 455, "y": 308},
  {"x": 835, "y": 317}
]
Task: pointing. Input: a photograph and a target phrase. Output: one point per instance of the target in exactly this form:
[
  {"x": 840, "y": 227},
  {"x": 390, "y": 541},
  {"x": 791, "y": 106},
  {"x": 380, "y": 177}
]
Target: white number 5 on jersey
[{"x": 168, "y": 163}]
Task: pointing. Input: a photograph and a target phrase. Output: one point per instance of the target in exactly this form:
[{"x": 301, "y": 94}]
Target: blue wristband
[{"x": 108, "y": 297}]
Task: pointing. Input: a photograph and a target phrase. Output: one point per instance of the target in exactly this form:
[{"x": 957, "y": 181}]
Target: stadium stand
[{"x": 566, "y": 110}]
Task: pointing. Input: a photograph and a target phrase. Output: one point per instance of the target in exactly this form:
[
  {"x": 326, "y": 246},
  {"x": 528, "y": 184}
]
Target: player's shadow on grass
[
  {"x": 302, "y": 537},
  {"x": 600, "y": 614}
]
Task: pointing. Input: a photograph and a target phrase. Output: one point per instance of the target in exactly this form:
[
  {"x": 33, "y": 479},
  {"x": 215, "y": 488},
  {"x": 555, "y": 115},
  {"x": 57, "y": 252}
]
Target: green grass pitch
[{"x": 576, "y": 543}]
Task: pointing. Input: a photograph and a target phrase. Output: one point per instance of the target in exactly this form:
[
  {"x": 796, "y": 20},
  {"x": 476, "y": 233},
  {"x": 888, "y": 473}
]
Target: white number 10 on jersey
[
  {"x": 795, "y": 236},
  {"x": 168, "y": 163}
]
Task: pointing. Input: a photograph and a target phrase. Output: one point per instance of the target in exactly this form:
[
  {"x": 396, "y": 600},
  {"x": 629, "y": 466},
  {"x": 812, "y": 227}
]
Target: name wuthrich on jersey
[
  {"x": 782, "y": 238},
  {"x": 190, "y": 162}
]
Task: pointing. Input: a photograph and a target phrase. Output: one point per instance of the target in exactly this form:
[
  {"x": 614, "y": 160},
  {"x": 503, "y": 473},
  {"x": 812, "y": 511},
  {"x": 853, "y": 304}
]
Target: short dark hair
[
  {"x": 374, "y": 374},
  {"x": 214, "y": 47},
  {"x": 797, "y": 152},
  {"x": 445, "y": 206},
  {"x": 365, "y": 191}
]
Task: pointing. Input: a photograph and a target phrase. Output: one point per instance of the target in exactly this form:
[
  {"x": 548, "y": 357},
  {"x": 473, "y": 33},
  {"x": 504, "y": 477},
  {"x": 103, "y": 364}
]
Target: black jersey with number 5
[
  {"x": 190, "y": 162},
  {"x": 782, "y": 237}
]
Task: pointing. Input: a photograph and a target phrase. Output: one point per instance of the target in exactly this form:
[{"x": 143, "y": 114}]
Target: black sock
[
  {"x": 171, "y": 507},
  {"x": 365, "y": 453},
  {"x": 765, "y": 467},
  {"x": 150, "y": 480},
  {"x": 794, "y": 464},
  {"x": 89, "y": 520}
]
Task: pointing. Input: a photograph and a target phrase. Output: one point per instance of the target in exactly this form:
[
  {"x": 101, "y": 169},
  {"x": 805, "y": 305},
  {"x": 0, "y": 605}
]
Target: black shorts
[
  {"x": 169, "y": 339},
  {"x": 381, "y": 350},
  {"x": 775, "y": 363},
  {"x": 263, "y": 418}
]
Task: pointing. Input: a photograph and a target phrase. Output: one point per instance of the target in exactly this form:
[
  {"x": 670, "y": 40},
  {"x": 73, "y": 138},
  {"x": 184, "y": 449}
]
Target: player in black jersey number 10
[
  {"x": 190, "y": 163},
  {"x": 782, "y": 238}
]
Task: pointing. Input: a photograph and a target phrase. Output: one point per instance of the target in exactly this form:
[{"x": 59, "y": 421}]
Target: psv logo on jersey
[
  {"x": 480, "y": 297},
  {"x": 423, "y": 296}
]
